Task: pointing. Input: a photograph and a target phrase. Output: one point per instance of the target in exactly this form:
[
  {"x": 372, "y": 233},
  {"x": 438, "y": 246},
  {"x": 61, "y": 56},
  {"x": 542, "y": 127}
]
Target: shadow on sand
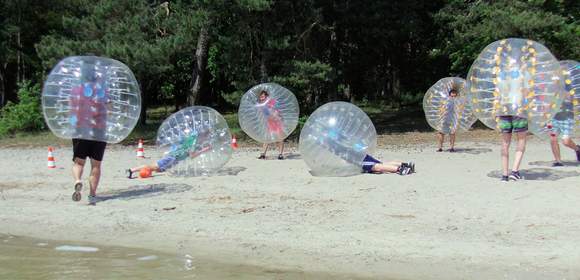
[
  {"x": 540, "y": 174},
  {"x": 549, "y": 163},
  {"x": 290, "y": 156},
  {"x": 142, "y": 191},
  {"x": 230, "y": 171},
  {"x": 472, "y": 151}
]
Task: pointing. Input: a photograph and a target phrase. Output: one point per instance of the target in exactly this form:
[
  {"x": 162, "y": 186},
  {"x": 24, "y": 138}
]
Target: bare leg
[
  {"x": 440, "y": 138},
  {"x": 505, "y": 152},
  {"x": 385, "y": 168},
  {"x": 521, "y": 148},
  {"x": 555, "y": 148},
  {"x": 569, "y": 143},
  {"x": 77, "y": 169},
  {"x": 265, "y": 149},
  {"x": 452, "y": 141},
  {"x": 95, "y": 176},
  {"x": 281, "y": 147}
]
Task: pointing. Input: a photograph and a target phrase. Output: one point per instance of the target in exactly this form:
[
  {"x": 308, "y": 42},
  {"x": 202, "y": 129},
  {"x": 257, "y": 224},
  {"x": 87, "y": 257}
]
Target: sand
[{"x": 453, "y": 219}]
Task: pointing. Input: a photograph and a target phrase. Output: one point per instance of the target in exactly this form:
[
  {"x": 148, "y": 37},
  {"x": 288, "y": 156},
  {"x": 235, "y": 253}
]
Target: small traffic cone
[
  {"x": 234, "y": 142},
  {"x": 140, "y": 150},
  {"x": 51, "y": 162}
]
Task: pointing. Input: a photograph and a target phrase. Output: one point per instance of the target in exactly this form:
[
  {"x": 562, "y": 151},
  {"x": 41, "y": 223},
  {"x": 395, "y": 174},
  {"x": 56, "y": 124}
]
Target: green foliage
[
  {"x": 385, "y": 53},
  {"x": 467, "y": 27},
  {"x": 233, "y": 98},
  {"x": 307, "y": 79},
  {"x": 26, "y": 115}
]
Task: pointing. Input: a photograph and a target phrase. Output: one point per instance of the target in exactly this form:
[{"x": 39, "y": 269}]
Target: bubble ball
[
  {"x": 196, "y": 140},
  {"x": 269, "y": 118},
  {"x": 93, "y": 98},
  {"x": 568, "y": 116},
  {"x": 515, "y": 77},
  {"x": 445, "y": 113},
  {"x": 336, "y": 138}
]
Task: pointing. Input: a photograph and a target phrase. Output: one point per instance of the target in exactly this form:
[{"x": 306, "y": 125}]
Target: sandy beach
[{"x": 453, "y": 219}]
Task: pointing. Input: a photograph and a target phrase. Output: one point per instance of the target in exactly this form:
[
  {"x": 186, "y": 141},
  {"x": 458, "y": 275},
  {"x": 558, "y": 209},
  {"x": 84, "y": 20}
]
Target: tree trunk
[
  {"x": 334, "y": 62},
  {"x": 2, "y": 89},
  {"x": 18, "y": 57},
  {"x": 263, "y": 69},
  {"x": 199, "y": 66},
  {"x": 144, "y": 103},
  {"x": 396, "y": 85}
]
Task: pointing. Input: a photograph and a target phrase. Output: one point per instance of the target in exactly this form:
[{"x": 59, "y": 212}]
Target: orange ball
[{"x": 145, "y": 172}]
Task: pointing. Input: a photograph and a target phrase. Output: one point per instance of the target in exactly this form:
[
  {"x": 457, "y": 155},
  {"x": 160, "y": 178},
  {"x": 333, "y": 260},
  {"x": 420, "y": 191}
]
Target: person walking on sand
[
  {"x": 441, "y": 135},
  {"x": 89, "y": 116}
]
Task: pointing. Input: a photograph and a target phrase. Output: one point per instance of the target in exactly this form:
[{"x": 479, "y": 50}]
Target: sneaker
[
  {"x": 404, "y": 170},
  {"x": 439, "y": 150},
  {"x": 515, "y": 176},
  {"x": 578, "y": 153},
  {"x": 505, "y": 178},
  {"x": 93, "y": 200},
  {"x": 262, "y": 156},
  {"x": 409, "y": 164},
  {"x": 557, "y": 164},
  {"x": 280, "y": 157},
  {"x": 76, "y": 196},
  {"x": 452, "y": 150},
  {"x": 129, "y": 173}
]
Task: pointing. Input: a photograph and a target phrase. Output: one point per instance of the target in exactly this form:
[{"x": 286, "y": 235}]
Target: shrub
[{"x": 26, "y": 115}]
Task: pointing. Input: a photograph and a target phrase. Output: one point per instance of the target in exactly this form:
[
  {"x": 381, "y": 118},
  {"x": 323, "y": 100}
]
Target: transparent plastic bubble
[
  {"x": 336, "y": 138},
  {"x": 272, "y": 118},
  {"x": 93, "y": 98},
  {"x": 566, "y": 122},
  {"x": 196, "y": 140},
  {"x": 515, "y": 77},
  {"x": 444, "y": 112}
]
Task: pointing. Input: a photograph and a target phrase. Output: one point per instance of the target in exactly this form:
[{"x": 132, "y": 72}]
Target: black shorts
[{"x": 88, "y": 148}]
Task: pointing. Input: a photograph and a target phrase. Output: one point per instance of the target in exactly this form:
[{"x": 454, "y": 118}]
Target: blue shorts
[
  {"x": 166, "y": 163},
  {"x": 563, "y": 128},
  {"x": 368, "y": 163}
]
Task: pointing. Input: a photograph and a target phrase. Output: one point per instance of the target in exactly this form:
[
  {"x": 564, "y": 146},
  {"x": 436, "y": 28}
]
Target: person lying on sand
[{"x": 372, "y": 165}]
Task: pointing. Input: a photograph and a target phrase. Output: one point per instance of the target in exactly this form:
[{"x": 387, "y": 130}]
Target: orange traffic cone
[
  {"x": 234, "y": 142},
  {"x": 51, "y": 162},
  {"x": 140, "y": 150}
]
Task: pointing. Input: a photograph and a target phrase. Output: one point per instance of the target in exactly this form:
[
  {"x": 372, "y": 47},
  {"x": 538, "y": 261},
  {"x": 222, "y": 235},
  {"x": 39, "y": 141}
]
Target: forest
[{"x": 210, "y": 52}]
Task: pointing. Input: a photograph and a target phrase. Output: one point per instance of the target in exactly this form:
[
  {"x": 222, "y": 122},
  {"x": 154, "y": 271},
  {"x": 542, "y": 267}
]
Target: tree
[{"x": 466, "y": 27}]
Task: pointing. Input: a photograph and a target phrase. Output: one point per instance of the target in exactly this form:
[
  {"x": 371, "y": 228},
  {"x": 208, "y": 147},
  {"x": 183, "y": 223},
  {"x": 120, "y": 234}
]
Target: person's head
[
  {"x": 453, "y": 92},
  {"x": 263, "y": 96}
]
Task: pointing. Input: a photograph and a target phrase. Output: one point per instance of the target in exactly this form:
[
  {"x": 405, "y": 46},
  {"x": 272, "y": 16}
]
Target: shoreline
[{"x": 451, "y": 220}]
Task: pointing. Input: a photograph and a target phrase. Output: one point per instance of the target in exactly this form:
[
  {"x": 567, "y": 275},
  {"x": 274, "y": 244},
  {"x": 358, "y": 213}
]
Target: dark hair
[
  {"x": 264, "y": 92},
  {"x": 453, "y": 90}
]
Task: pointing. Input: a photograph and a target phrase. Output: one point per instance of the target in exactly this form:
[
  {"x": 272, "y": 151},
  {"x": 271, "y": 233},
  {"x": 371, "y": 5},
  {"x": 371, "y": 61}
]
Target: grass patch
[{"x": 387, "y": 120}]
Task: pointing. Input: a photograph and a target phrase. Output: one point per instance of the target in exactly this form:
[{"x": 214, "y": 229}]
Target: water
[{"x": 27, "y": 258}]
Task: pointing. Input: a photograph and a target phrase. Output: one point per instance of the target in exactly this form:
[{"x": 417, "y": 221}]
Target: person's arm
[{"x": 197, "y": 153}]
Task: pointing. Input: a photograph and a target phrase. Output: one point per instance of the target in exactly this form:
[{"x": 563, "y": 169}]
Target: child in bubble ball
[
  {"x": 274, "y": 123},
  {"x": 186, "y": 149}
]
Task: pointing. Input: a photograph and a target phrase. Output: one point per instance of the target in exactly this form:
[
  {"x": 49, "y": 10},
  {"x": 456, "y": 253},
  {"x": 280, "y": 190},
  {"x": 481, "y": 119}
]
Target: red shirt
[{"x": 88, "y": 106}]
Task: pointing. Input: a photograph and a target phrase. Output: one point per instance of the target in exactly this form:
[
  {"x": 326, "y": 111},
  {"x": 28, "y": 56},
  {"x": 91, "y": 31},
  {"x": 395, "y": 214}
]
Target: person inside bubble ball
[
  {"x": 512, "y": 88},
  {"x": 440, "y": 135},
  {"x": 273, "y": 121},
  {"x": 187, "y": 148},
  {"x": 562, "y": 126},
  {"x": 88, "y": 101},
  {"x": 342, "y": 146}
]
